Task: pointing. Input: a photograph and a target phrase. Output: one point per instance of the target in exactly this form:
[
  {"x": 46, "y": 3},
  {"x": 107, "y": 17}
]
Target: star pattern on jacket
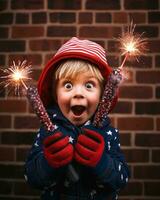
[{"x": 71, "y": 139}]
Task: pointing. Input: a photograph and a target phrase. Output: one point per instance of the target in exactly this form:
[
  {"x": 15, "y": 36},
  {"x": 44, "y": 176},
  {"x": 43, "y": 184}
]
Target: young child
[{"x": 71, "y": 86}]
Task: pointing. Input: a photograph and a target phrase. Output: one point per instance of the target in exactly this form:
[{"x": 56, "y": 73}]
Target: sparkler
[
  {"x": 132, "y": 45},
  {"x": 16, "y": 75}
]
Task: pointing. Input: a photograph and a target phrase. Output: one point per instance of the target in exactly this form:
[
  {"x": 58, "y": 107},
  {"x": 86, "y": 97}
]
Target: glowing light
[
  {"x": 16, "y": 74},
  {"x": 132, "y": 44}
]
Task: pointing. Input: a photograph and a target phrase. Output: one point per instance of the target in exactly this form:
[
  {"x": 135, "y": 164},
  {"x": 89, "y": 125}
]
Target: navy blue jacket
[{"x": 102, "y": 182}]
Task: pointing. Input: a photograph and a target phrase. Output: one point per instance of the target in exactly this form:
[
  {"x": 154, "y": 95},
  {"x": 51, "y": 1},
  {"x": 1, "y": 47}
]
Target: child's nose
[{"x": 79, "y": 93}]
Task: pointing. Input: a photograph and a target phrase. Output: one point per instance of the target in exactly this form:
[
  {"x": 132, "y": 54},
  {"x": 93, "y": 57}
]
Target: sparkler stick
[
  {"x": 131, "y": 45},
  {"x": 16, "y": 74}
]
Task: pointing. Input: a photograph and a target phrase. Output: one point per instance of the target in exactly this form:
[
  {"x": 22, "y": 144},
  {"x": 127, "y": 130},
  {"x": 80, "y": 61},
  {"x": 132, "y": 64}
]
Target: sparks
[
  {"x": 16, "y": 75},
  {"x": 132, "y": 44}
]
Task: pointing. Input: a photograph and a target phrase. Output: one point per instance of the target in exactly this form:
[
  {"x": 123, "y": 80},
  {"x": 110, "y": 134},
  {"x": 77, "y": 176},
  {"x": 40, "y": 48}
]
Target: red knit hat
[{"x": 74, "y": 48}]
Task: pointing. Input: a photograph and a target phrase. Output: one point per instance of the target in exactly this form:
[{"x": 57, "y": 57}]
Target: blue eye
[
  {"x": 68, "y": 86},
  {"x": 89, "y": 85}
]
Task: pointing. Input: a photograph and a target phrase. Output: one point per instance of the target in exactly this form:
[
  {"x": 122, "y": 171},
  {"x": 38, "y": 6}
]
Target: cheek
[
  {"x": 94, "y": 100},
  {"x": 62, "y": 98}
]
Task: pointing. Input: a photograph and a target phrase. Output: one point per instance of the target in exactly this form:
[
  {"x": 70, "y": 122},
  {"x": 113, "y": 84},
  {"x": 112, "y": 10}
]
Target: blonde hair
[{"x": 73, "y": 67}]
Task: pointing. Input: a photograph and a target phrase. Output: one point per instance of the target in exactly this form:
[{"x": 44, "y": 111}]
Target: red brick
[
  {"x": 147, "y": 140},
  {"x": 29, "y": 4},
  {"x": 58, "y": 31},
  {"x": 135, "y": 123},
  {"x": 150, "y": 108},
  {"x": 26, "y": 122},
  {"x": 6, "y": 18},
  {"x": 11, "y": 171},
  {"x": 113, "y": 60},
  {"x": 44, "y": 45},
  {"x": 125, "y": 139},
  {"x": 63, "y": 17},
  {"x": 3, "y": 4},
  {"x": 132, "y": 189},
  {"x": 113, "y": 46},
  {"x": 120, "y": 17},
  {"x": 123, "y": 107},
  {"x": 12, "y": 46},
  {"x": 143, "y": 62},
  {"x": 65, "y": 5},
  {"x": 157, "y": 61},
  {"x": 137, "y": 17},
  {"x": 6, "y": 187},
  {"x": 48, "y": 57},
  {"x": 136, "y": 155},
  {"x": 21, "y": 188},
  {"x": 33, "y": 59},
  {"x": 27, "y": 31},
  {"x": 153, "y": 17},
  {"x": 21, "y": 153},
  {"x": 147, "y": 172},
  {"x": 5, "y": 121},
  {"x": 7, "y": 154},
  {"x": 3, "y": 32},
  {"x": 148, "y": 76},
  {"x": 155, "y": 155},
  {"x": 17, "y": 137},
  {"x": 35, "y": 74},
  {"x": 22, "y": 18},
  {"x": 104, "y": 17},
  {"x": 136, "y": 92},
  {"x": 103, "y": 5},
  {"x": 15, "y": 106},
  {"x": 158, "y": 124},
  {"x": 39, "y": 18},
  {"x": 140, "y": 4},
  {"x": 153, "y": 46},
  {"x": 98, "y": 32},
  {"x": 149, "y": 31},
  {"x": 2, "y": 92},
  {"x": 152, "y": 188},
  {"x": 2, "y": 61},
  {"x": 85, "y": 18}
]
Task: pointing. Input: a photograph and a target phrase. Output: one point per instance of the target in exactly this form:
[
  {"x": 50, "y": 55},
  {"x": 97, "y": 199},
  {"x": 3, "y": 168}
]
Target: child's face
[{"x": 78, "y": 98}]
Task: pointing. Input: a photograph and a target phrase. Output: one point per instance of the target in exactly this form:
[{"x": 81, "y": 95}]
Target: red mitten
[
  {"x": 57, "y": 150},
  {"x": 89, "y": 148}
]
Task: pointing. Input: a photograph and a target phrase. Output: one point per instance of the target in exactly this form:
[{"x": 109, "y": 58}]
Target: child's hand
[
  {"x": 57, "y": 150},
  {"x": 89, "y": 148}
]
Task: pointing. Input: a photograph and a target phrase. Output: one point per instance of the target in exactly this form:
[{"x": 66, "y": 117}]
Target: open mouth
[{"x": 78, "y": 109}]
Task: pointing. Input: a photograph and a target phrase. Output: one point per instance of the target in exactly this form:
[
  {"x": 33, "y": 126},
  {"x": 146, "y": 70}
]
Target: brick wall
[{"x": 34, "y": 30}]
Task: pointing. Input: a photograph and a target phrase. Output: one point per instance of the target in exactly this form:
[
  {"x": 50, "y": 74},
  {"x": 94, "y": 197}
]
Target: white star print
[
  {"x": 88, "y": 122},
  {"x": 38, "y": 135},
  {"x": 54, "y": 115},
  {"x": 109, "y": 145},
  {"x": 71, "y": 139},
  {"x": 116, "y": 130},
  {"x": 121, "y": 176},
  {"x": 109, "y": 132},
  {"x": 119, "y": 167},
  {"x": 25, "y": 176},
  {"x": 126, "y": 179},
  {"x": 55, "y": 127},
  {"x": 36, "y": 144}
]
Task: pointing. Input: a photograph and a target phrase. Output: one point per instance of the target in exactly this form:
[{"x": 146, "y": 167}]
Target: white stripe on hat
[{"x": 83, "y": 46}]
